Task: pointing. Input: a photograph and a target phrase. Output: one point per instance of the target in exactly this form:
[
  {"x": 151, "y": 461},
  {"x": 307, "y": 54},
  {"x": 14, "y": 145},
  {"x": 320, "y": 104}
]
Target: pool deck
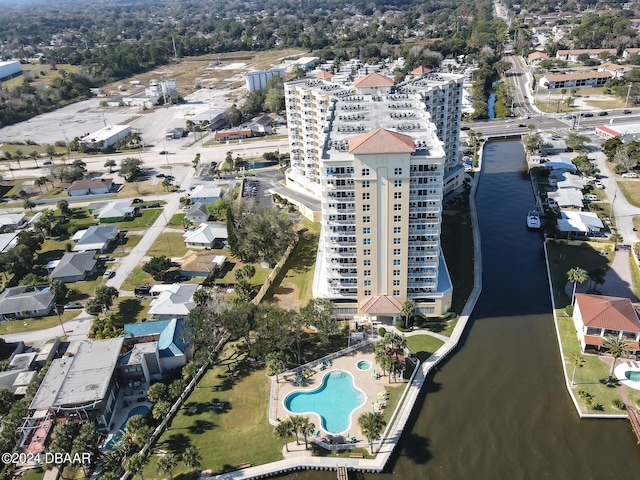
[{"x": 363, "y": 382}]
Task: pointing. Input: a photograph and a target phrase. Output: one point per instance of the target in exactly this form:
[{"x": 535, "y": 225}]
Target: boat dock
[
  {"x": 342, "y": 472},
  {"x": 634, "y": 418}
]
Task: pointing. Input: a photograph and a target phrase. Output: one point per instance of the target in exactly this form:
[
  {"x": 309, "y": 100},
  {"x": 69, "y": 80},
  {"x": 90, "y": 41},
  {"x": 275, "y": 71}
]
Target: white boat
[{"x": 533, "y": 219}]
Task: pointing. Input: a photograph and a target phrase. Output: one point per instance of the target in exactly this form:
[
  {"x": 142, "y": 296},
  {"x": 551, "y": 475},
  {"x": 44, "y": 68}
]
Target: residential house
[
  {"x": 594, "y": 53},
  {"x": 627, "y": 52},
  {"x": 198, "y": 213},
  {"x": 201, "y": 264},
  {"x": 90, "y": 186},
  {"x": 238, "y": 134},
  {"x": 553, "y": 145},
  {"x": 206, "y": 236},
  {"x": 172, "y": 301},
  {"x": 205, "y": 194},
  {"x": 596, "y": 317},
  {"x": 262, "y": 125},
  {"x": 574, "y": 80},
  {"x": 586, "y": 223},
  {"x": 615, "y": 70},
  {"x": 73, "y": 267},
  {"x": 25, "y": 302},
  {"x": 13, "y": 221},
  {"x": 8, "y": 241},
  {"x": 82, "y": 387},
  {"x": 535, "y": 58},
  {"x": 153, "y": 348},
  {"x": 116, "y": 212},
  {"x": 96, "y": 238}
]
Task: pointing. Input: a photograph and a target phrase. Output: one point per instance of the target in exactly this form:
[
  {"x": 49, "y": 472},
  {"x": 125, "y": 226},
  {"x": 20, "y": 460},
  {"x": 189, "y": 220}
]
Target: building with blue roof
[{"x": 153, "y": 348}]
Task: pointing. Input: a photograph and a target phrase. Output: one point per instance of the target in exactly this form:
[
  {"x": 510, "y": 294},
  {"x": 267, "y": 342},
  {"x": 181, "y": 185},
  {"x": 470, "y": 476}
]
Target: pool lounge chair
[
  {"x": 315, "y": 433},
  {"x": 327, "y": 362}
]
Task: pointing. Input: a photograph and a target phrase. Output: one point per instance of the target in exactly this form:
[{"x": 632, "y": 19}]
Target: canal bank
[{"x": 499, "y": 407}]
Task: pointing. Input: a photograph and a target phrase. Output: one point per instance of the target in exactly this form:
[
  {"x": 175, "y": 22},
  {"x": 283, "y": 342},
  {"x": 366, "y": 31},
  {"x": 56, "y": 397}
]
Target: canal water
[{"x": 498, "y": 408}]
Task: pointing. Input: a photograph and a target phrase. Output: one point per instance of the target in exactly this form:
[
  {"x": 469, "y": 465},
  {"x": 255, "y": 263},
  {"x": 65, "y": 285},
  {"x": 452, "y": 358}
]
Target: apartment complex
[{"x": 372, "y": 153}]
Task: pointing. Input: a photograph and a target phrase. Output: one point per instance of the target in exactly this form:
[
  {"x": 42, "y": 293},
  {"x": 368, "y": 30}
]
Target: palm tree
[
  {"x": 616, "y": 238},
  {"x": 34, "y": 156},
  {"x": 167, "y": 464},
  {"x": 618, "y": 347},
  {"x": 371, "y": 425},
  {"x": 305, "y": 427},
  {"x": 284, "y": 430},
  {"x": 576, "y": 275},
  {"x": 137, "y": 463},
  {"x": 28, "y": 204},
  {"x": 192, "y": 458},
  {"x": 576, "y": 360},
  {"x": 408, "y": 308}
]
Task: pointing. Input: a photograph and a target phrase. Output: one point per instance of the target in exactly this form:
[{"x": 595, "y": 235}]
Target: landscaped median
[{"x": 591, "y": 392}]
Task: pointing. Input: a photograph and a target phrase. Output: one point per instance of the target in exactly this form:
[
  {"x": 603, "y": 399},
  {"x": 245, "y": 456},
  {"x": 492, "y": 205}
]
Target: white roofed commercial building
[
  {"x": 9, "y": 69},
  {"x": 106, "y": 137},
  {"x": 371, "y": 153},
  {"x": 259, "y": 79}
]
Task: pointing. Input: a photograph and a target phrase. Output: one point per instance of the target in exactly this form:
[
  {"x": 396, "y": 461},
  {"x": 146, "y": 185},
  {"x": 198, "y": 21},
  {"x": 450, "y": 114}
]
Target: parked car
[
  {"x": 137, "y": 200},
  {"x": 629, "y": 175},
  {"x": 73, "y": 306},
  {"x": 154, "y": 205},
  {"x": 590, "y": 198},
  {"x": 108, "y": 273},
  {"x": 590, "y": 179},
  {"x": 599, "y": 184}
]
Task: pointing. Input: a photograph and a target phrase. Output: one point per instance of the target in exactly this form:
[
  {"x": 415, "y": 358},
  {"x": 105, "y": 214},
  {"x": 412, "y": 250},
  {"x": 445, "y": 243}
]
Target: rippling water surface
[{"x": 498, "y": 408}]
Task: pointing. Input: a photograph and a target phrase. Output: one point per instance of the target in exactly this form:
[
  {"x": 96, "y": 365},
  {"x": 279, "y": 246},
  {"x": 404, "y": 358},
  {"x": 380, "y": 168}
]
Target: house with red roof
[{"x": 598, "y": 316}]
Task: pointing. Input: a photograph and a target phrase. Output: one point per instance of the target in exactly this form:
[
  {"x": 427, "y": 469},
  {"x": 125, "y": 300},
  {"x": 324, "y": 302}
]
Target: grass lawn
[
  {"x": 631, "y": 191},
  {"x": 423, "y": 345},
  {"x": 170, "y": 244},
  {"x": 231, "y": 266},
  {"x": 563, "y": 257},
  {"x": 141, "y": 222},
  {"x": 592, "y": 376},
  {"x": 176, "y": 220},
  {"x": 131, "y": 241},
  {"x": 140, "y": 189},
  {"x": 137, "y": 277},
  {"x": 300, "y": 267},
  {"x": 239, "y": 434},
  {"x": 32, "y": 324},
  {"x": 33, "y": 474},
  {"x": 130, "y": 310}
]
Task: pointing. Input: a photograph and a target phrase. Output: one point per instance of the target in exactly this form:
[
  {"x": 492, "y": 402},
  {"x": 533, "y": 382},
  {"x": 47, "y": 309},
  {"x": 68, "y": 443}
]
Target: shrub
[
  {"x": 399, "y": 324},
  {"x": 569, "y": 310},
  {"x": 619, "y": 404},
  {"x": 598, "y": 407},
  {"x": 382, "y": 331}
]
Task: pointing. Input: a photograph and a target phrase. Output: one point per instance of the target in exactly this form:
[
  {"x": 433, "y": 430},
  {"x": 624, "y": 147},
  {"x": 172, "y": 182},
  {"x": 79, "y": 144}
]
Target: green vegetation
[
  {"x": 170, "y": 244},
  {"x": 240, "y": 433},
  {"x": 149, "y": 215},
  {"x": 176, "y": 220},
  {"x": 33, "y": 324},
  {"x": 423, "y": 345}
]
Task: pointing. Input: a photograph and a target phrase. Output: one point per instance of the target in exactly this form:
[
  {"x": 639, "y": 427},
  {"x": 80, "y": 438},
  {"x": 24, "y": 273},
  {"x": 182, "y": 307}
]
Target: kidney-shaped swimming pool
[{"x": 333, "y": 401}]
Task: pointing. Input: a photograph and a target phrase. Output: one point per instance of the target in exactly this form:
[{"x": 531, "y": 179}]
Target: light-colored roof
[
  {"x": 12, "y": 219},
  {"x": 592, "y": 51},
  {"x": 206, "y": 233},
  {"x": 537, "y": 55},
  {"x": 373, "y": 80},
  {"x": 24, "y": 299},
  {"x": 73, "y": 264},
  {"x": 116, "y": 209},
  {"x": 567, "y": 197},
  {"x": 8, "y": 241},
  {"x": 381, "y": 305},
  {"x": 89, "y": 183},
  {"x": 173, "y": 300},
  {"x": 612, "y": 313},
  {"x": 198, "y": 209},
  {"x": 576, "y": 76},
  {"x": 381, "y": 141},
  {"x": 82, "y": 379},
  {"x": 206, "y": 191},
  {"x": 578, "y": 221},
  {"x": 95, "y": 237},
  {"x": 231, "y": 133}
]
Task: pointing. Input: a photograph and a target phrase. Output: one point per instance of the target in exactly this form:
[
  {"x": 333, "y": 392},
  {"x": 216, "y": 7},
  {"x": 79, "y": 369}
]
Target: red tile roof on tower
[
  {"x": 373, "y": 80},
  {"x": 381, "y": 305},
  {"x": 381, "y": 141},
  {"x": 324, "y": 74},
  {"x": 420, "y": 70},
  {"x": 611, "y": 313}
]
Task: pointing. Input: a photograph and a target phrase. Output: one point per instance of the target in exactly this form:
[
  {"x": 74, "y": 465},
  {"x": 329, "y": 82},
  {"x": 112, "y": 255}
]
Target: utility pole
[
  {"x": 55, "y": 306},
  {"x": 626, "y": 102}
]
